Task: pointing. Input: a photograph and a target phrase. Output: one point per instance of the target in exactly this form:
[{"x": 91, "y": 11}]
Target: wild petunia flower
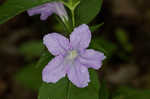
[
  {"x": 48, "y": 9},
  {"x": 71, "y": 57}
]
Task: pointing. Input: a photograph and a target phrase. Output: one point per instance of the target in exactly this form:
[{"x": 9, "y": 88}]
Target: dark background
[{"x": 124, "y": 67}]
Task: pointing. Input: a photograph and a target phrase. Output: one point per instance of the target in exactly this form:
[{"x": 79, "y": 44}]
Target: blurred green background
[{"x": 124, "y": 38}]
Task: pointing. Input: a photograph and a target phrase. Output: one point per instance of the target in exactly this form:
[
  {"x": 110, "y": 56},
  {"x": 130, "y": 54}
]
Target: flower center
[{"x": 72, "y": 55}]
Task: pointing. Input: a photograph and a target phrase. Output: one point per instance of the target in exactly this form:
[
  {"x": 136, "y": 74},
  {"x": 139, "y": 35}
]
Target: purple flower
[
  {"x": 71, "y": 57},
  {"x": 48, "y": 9}
]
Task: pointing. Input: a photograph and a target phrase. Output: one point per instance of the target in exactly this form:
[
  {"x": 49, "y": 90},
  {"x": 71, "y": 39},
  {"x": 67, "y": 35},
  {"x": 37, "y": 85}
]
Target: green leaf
[
  {"x": 100, "y": 44},
  {"x": 122, "y": 36},
  {"x": 123, "y": 39},
  {"x": 44, "y": 59},
  {"x": 31, "y": 75},
  {"x": 60, "y": 89},
  {"x": 51, "y": 91},
  {"x": 131, "y": 93},
  {"x": 87, "y": 11},
  {"x": 94, "y": 28},
  {"x": 31, "y": 49},
  {"x": 11, "y": 8},
  {"x": 104, "y": 94}
]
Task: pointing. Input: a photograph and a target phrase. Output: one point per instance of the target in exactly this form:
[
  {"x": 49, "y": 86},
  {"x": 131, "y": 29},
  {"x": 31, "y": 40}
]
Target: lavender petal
[
  {"x": 56, "y": 43},
  {"x": 80, "y": 37},
  {"x": 79, "y": 75},
  {"x": 91, "y": 58},
  {"x": 55, "y": 70}
]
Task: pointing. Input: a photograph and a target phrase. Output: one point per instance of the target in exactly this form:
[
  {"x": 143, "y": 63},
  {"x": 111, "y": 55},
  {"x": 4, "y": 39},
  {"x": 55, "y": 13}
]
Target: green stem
[
  {"x": 67, "y": 26},
  {"x": 68, "y": 90},
  {"x": 71, "y": 1},
  {"x": 73, "y": 18},
  {"x": 72, "y": 12}
]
